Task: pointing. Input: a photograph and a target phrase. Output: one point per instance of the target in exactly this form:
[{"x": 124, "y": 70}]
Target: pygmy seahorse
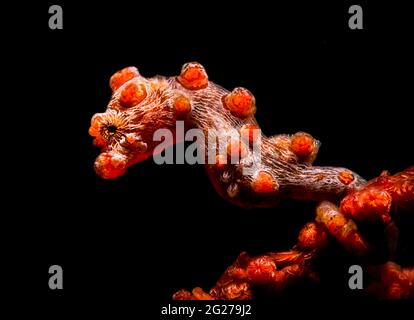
[{"x": 281, "y": 169}]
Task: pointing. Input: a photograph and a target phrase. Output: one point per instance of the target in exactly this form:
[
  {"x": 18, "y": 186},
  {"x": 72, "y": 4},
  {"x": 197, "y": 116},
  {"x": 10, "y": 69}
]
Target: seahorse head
[{"x": 138, "y": 107}]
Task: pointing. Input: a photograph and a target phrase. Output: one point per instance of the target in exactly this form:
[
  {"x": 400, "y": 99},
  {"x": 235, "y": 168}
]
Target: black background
[{"x": 129, "y": 244}]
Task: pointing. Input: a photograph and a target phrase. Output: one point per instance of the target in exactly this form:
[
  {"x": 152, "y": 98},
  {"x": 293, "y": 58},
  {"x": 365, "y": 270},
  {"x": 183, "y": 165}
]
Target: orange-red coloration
[
  {"x": 304, "y": 146},
  {"x": 240, "y": 102},
  {"x": 139, "y": 107},
  {"x": 400, "y": 186},
  {"x": 199, "y": 294},
  {"x": 236, "y": 150},
  {"x": 94, "y": 131},
  {"x": 132, "y": 141},
  {"x": 286, "y": 258},
  {"x": 193, "y": 76},
  {"x": 275, "y": 270},
  {"x": 233, "y": 284},
  {"x": 346, "y": 177},
  {"x": 183, "y": 295},
  {"x": 375, "y": 199},
  {"x": 264, "y": 183},
  {"x": 221, "y": 162},
  {"x": 132, "y": 94},
  {"x": 122, "y": 76},
  {"x": 368, "y": 204},
  {"x": 182, "y": 105},
  {"x": 249, "y": 132},
  {"x": 343, "y": 229},
  {"x": 110, "y": 166},
  {"x": 312, "y": 236},
  {"x": 261, "y": 270},
  {"x": 234, "y": 291},
  {"x": 392, "y": 281}
]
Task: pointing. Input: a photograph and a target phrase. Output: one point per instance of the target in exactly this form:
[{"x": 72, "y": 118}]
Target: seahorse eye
[
  {"x": 109, "y": 132},
  {"x": 111, "y": 129}
]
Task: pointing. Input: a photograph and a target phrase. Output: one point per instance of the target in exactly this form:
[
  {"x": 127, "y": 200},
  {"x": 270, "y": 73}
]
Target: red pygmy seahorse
[{"x": 140, "y": 106}]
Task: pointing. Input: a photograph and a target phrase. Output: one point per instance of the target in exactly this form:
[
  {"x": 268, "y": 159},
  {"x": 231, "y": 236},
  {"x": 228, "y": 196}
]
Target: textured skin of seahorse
[{"x": 139, "y": 106}]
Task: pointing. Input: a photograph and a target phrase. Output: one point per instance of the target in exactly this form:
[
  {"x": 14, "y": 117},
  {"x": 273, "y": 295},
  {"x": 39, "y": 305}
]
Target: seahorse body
[{"x": 282, "y": 167}]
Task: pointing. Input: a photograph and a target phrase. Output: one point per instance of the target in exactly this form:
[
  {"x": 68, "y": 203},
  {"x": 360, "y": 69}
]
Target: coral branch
[
  {"x": 374, "y": 200},
  {"x": 279, "y": 270},
  {"x": 342, "y": 229},
  {"x": 274, "y": 270}
]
